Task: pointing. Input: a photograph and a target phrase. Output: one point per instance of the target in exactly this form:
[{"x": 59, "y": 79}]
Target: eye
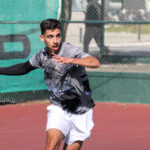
[
  {"x": 50, "y": 36},
  {"x": 58, "y": 35}
]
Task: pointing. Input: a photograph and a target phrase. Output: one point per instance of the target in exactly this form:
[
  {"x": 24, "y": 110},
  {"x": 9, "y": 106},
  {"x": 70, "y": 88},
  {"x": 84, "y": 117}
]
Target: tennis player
[{"x": 70, "y": 113}]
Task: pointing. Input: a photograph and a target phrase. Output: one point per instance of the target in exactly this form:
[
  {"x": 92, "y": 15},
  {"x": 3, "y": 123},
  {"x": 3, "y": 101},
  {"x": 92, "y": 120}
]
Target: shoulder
[
  {"x": 69, "y": 50},
  {"x": 42, "y": 53},
  {"x": 68, "y": 46},
  {"x": 36, "y": 59}
]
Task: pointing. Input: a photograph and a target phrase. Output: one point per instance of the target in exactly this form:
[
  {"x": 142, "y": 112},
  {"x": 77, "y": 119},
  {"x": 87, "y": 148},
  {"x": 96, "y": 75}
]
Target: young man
[{"x": 70, "y": 111}]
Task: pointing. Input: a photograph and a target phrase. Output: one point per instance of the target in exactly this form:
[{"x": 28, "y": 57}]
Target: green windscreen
[{"x": 20, "y": 39}]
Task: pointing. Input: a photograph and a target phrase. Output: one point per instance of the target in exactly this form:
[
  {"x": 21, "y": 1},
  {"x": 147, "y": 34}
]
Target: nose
[{"x": 55, "y": 40}]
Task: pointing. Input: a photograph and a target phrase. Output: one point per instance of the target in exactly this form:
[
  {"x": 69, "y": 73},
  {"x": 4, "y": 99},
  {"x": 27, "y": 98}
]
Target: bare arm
[{"x": 88, "y": 61}]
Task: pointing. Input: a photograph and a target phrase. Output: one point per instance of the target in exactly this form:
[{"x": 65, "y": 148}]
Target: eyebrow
[
  {"x": 51, "y": 35},
  {"x": 58, "y": 34}
]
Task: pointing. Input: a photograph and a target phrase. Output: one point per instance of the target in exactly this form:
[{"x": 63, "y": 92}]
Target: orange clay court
[{"x": 117, "y": 127}]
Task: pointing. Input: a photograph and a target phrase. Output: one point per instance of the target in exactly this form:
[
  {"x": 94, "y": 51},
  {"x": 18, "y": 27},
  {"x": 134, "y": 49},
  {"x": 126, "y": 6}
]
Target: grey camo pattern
[{"x": 67, "y": 78}]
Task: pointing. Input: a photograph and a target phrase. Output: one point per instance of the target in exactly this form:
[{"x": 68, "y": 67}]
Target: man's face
[{"x": 52, "y": 39}]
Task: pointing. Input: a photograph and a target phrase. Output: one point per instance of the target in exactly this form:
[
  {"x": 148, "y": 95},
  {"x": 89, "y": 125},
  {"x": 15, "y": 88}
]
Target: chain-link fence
[
  {"x": 19, "y": 40},
  {"x": 116, "y": 31}
]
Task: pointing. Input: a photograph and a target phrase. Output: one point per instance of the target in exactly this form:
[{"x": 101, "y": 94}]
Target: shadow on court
[{"x": 117, "y": 127}]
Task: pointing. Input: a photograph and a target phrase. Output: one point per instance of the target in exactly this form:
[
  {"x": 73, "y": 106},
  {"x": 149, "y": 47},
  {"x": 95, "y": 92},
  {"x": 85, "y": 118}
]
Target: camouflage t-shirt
[{"x": 67, "y": 84}]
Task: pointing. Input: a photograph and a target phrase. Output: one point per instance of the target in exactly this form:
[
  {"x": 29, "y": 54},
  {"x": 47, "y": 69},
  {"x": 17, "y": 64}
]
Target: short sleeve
[
  {"x": 81, "y": 54},
  {"x": 69, "y": 50},
  {"x": 35, "y": 60}
]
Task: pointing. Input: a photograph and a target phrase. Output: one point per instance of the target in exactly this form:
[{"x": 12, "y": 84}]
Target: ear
[{"x": 42, "y": 38}]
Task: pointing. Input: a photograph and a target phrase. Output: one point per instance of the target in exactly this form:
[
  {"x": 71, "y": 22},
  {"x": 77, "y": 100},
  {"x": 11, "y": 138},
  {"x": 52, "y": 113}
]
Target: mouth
[{"x": 55, "y": 47}]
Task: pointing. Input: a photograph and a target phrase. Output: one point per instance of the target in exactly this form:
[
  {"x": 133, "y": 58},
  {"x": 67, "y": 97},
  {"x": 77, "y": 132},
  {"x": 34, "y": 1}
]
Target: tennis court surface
[{"x": 117, "y": 127}]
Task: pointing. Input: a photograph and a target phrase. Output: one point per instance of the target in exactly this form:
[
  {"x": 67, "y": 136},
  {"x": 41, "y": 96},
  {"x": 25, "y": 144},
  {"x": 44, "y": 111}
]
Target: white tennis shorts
[{"x": 75, "y": 127}]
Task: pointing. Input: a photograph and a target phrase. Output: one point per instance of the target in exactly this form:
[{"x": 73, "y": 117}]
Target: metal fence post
[
  {"x": 102, "y": 27},
  {"x": 62, "y": 19},
  {"x": 139, "y": 32}
]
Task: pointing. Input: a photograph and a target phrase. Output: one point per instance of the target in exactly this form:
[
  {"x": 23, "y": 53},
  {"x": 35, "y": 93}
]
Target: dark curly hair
[{"x": 49, "y": 24}]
